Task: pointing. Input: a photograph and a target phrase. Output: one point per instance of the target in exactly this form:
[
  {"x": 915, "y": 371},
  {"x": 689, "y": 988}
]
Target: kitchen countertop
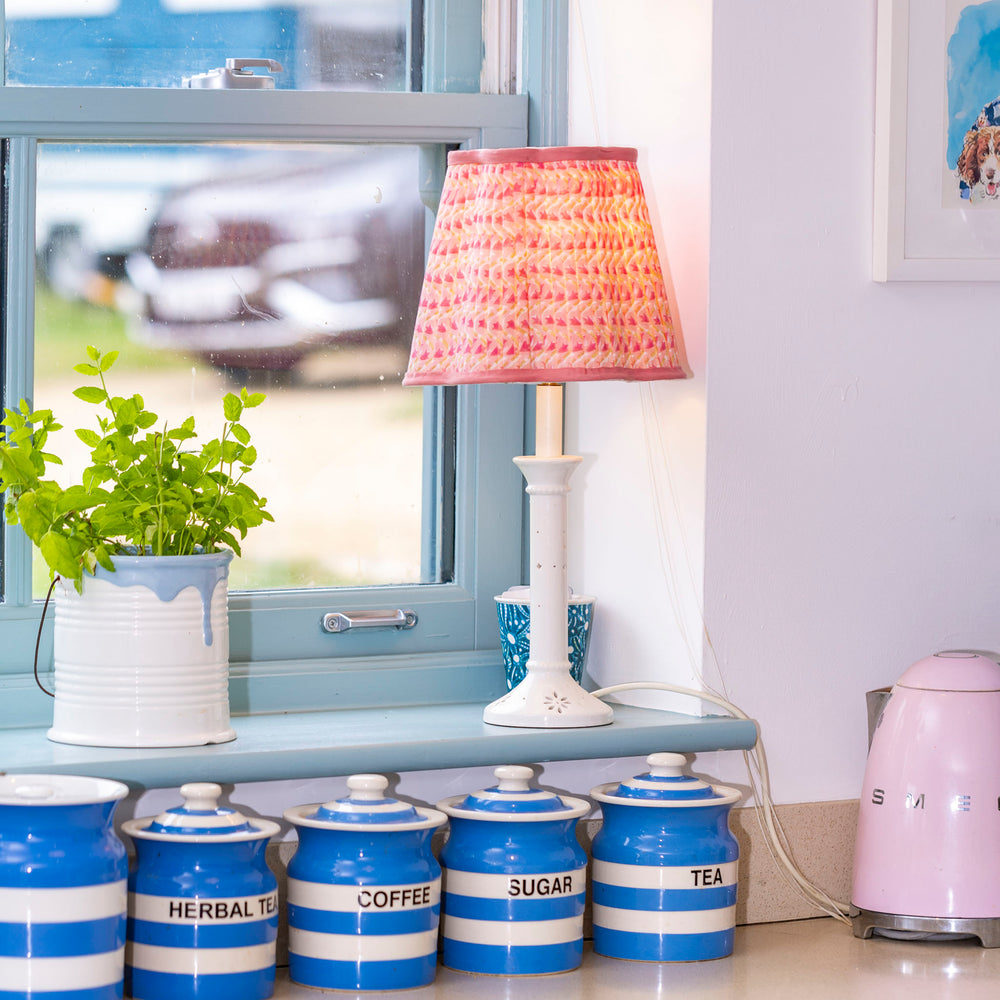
[{"x": 817, "y": 959}]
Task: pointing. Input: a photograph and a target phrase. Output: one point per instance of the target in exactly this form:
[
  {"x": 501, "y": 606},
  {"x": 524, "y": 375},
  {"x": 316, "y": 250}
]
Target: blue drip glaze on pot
[{"x": 167, "y": 576}]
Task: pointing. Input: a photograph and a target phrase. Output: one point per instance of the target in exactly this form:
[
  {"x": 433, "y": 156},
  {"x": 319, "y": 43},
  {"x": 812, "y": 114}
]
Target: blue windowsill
[{"x": 328, "y": 743}]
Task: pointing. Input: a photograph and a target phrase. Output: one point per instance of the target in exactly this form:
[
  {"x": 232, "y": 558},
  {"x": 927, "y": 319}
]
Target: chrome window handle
[{"x": 341, "y": 621}]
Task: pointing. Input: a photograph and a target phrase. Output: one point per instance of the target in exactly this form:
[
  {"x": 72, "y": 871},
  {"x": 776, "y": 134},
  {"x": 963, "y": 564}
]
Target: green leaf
[
  {"x": 58, "y": 553},
  {"x": 232, "y": 406},
  {"x": 126, "y": 414},
  {"x": 86, "y": 369},
  {"x": 240, "y": 433},
  {"x": 252, "y": 398},
  {"x": 90, "y": 394},
  {"x": 104, "y": 558},
  {"x": 90, "y": 438},
  {"x": 18, "y": 461},
  {"x": 33, "y": 520},
  {"x": 93, "y": 353},
  {"x": 108, "y": 360}
]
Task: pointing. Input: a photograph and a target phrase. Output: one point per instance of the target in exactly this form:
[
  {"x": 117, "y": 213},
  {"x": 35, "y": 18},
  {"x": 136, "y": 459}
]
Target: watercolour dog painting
[{"x": 979, "y": 163}]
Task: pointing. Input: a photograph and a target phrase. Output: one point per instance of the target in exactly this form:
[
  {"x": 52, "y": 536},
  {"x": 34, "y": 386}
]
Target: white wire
[{"x": 763, "y": 802}]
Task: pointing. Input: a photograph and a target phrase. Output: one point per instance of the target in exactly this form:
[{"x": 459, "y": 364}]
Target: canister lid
[
  {"x": 366, "y": 807},
  {"x": 513, "y": 798},
  {"x": 667, "y": 783},
  {"x": 200, "y": 819},
  {"x": 58, "y": 790}
]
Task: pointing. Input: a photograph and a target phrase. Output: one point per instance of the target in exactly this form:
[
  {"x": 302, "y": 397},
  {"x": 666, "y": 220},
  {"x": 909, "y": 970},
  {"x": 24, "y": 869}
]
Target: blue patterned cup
[{"x": 514, "y": 618}]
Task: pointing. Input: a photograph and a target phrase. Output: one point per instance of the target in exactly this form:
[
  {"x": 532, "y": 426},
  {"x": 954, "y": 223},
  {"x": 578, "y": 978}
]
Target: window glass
[
  {"x": 292, "y": 269},
  {"x": 118, "y": 224},
  {"x": 320, "y": 44}
]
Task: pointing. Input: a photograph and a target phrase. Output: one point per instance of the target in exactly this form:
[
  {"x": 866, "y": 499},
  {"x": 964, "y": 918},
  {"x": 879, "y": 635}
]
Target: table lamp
[{"x": 543, "y": 269}]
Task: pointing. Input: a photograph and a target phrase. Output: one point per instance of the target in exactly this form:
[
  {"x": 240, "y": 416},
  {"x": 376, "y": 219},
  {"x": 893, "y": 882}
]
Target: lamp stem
[
  {"x": 548, "y": 697},
  {"x": 548, "y": 420}
]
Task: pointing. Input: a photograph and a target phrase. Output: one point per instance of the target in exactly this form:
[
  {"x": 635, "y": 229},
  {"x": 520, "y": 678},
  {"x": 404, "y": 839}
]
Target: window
[{"x": 468, "y": 524}]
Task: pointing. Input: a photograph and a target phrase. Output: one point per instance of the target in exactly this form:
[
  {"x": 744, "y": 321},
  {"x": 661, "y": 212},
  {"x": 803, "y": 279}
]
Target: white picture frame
[{"x": 925, "y": 228}]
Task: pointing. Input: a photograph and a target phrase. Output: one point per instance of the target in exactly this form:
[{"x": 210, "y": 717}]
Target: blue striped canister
[
  {"x": 514, "y": 879},
  {"x": 203, "y": 905},
  {"x": 664, "y": 871},
  {"x": 62, "y": 888},
  {"x": 364, "y": 891}
]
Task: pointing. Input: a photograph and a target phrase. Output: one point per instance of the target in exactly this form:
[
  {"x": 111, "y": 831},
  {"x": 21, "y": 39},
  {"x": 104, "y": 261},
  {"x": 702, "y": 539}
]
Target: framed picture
[{"x": 937, "y": 141}]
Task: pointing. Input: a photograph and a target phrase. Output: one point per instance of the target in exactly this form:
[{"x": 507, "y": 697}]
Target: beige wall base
[{"x": 821, "y": 838}]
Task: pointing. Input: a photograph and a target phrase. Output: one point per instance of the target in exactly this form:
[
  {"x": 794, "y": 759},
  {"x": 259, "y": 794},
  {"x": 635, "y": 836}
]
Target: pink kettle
[{"x": 927, "y": 855}]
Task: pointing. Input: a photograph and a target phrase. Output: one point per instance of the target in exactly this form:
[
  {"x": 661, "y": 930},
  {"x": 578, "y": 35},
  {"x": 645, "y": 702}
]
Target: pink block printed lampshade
[{"x": 543, "y": 268}]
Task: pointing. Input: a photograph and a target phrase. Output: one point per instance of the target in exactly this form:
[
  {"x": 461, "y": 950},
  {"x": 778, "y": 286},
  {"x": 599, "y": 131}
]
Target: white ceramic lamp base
[
  {"x": 548, "y": 700},
  {"x": 548, "y": 697}
]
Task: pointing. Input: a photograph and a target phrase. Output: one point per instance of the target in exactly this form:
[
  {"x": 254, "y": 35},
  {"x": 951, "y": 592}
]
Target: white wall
[
  {"x": 853, "y": 484},
  {"x": 852, "y": 503}
]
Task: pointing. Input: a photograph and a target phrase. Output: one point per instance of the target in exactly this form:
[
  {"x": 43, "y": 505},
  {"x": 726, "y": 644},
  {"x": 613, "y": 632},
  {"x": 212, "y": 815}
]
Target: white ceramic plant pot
[{"x": 142, "y": 654}]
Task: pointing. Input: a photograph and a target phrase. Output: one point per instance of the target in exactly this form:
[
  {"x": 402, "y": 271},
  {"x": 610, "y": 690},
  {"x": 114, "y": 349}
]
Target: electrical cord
[{"x": 763, "y": 803}]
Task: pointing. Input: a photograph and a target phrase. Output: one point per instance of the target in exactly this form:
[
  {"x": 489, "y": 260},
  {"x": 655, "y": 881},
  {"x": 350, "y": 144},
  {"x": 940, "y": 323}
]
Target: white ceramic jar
[
  {"x": 364, "y": 891},
  {"x": 203, "y": 905},
  {"x": 62, "y": 888},
  {"x": 515, "y": 879},
  {"x": 665, "y": 865},
  {"x": 142, "y": 654}
]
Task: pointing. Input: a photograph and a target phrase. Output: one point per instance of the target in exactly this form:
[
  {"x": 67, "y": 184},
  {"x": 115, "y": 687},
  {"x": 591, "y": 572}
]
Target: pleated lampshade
[{"x": 543, "y": 268}]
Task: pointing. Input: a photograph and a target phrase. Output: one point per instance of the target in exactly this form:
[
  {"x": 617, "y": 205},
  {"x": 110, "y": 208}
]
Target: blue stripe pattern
[
  {"x": 390, "y": 975},
  {"x": 203, "y": 935},
  {"x": 639, "y": 947},
  {"x": 81, "y": 937},
  {"x": 142, "y": 983},
  {"x": 350, "y": 922},
  {"x": 663, "y": 947},
  {"x": 664, "y": 900},
  {"x": 479, "y": 908},
  {"x": 113, "y": 992},
  {"x": 522, "y": 960}
]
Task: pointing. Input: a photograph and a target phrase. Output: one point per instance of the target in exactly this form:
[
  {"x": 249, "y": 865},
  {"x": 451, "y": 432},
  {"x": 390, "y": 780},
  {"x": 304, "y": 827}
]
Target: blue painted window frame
[{"x": 282, "y": 660}]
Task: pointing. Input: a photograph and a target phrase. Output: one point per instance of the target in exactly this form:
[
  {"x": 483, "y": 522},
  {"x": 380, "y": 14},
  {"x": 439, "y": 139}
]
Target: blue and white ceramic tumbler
[
  {"x": 514, "y": 878},
  {"x": 203, "y": 905},
  {"x": 664, "y": 872},
  {"x": 364, "y": 892},
  {"x": 62, "y": 888},
  {"x": 514, "y": 620}
]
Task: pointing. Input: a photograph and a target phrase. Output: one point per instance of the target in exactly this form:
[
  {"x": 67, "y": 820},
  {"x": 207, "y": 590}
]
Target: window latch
[
  {"x": 237, "y": 74},
  {"x": 341, "y": 621}
]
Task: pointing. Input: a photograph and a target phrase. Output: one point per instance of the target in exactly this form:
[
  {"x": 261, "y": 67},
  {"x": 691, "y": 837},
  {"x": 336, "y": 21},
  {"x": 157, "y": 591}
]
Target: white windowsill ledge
[{"x": 322, "y": 744}]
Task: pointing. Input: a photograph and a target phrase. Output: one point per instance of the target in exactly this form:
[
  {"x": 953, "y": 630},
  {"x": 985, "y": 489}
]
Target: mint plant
[{"x": 147, "y": 490}]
